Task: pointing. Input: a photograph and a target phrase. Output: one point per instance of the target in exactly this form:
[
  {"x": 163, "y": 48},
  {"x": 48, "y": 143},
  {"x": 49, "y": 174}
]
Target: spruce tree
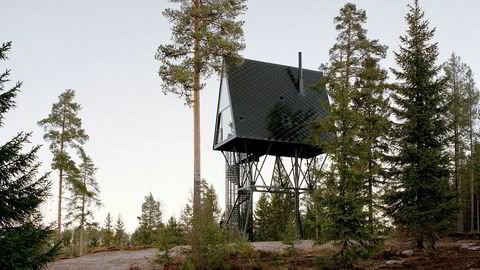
[
  {"x": 24, "y": 240},
  {"x": 85, "y": 193},
  {"x": 420, "y": 200},
  {"x": 107, "y": 232},
  {"x": 263, "y": 221},
  {"x": 209, "y": 209},
  {"x": 64, "y": 130},
  {"x": 120, "y": 235},
  {"x": 186, "y": 217},
  {"x": 352, "y": 76},
  {"x": 310, "y": 216},
  {"x": 203, "y": 32}
]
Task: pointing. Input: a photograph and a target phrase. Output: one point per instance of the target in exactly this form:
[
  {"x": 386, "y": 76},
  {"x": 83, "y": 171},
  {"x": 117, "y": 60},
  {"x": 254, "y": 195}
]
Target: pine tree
[
  {"x": 473, "y": 96},
  {"x": 24, "y": 241},
  {"x": 420, "y": 200},
  {"x": 107, "y": 232},
  {"x": 475, "y": 172},
  {"x": 169, "y": 237},
  {"x": 203, "y": 32},
  {"x": 150, "y": 221},
  {"x": 64, "y": 130},
  {"x": 455, "y": 72},
  {"x": 120, "y": 235},
  {"x": 84, "y": 192},
  {"x": 374, "y": 126},
  {"x": 263, "y": 220},
  {"x": 352, "y": 77}
]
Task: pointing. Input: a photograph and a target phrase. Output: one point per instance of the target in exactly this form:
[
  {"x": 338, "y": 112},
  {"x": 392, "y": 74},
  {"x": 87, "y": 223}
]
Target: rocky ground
[{"x": 451, "y": 254}]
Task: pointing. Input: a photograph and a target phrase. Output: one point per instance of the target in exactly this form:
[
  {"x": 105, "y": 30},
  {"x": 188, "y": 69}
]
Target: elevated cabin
[{"x": 267, "y": 109}]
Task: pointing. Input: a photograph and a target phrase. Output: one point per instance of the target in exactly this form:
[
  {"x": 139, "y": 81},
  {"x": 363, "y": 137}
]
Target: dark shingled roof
[{"x": 268, "y": 112}]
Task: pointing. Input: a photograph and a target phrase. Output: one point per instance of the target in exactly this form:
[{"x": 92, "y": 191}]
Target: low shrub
[{"x": 244, "y": 249}]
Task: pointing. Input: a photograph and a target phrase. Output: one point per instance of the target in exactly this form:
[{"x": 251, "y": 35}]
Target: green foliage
[
  {"x": 169, "y": 236},
  {"x": 273, "y": 212},
  {"x": 209, "y": 240},
  {"x": 374, "y": 126},
  {"x": 310, "y": 217},
  {"x": 84, "y": 191},
  {"x": 210, "y": 248},
  {"x": 458, "y": 120},
  {"x": 107, "y": 231},
  {"x": 67, "y": 236},
  {"x": 420, "y": 199},
  {"x": 243, "y": 249},
  {"x": 262, "y": 216},
  {"x": 84, "y": 194},
  {"x": 24, "y": 242},
  {"x": 354, "y": 82},
  {"x": 63, "y": 128},
  {"x": 94, "y": 235},
  {"x": 217, "y": 33},
  {"x": 150, "y": 222},
  {"x": 290, "y": 237},
  {"x": 121, "y": 237}
]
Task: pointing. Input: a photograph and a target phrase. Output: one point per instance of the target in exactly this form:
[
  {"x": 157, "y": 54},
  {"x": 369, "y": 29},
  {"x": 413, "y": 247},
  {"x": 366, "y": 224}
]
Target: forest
[{"x": 404, "y": 161}]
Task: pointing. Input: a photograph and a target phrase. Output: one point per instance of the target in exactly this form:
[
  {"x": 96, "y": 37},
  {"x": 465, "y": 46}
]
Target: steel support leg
[{"x": 296, "y": 180}]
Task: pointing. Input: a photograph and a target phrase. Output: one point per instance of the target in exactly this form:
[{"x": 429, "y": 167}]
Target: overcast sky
[{"x": 140, "y": 139}]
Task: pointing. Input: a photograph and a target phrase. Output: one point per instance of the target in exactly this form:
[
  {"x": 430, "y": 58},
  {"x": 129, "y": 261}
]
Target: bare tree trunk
[
  {"x": 60, "y": 178},
  {"x": 196, "y": 113},
  {"x": 458, "y": 185},
  {"x": 59, "y": 222},
  {"x": 472, "y": 203},
  {"x": 478, "y": 214},
  {"x": 470, "y": 122},
  {"x": 82, "y": 219},
  {"x": 478, "y": 211},
  {"x": 370, "y": 191}
]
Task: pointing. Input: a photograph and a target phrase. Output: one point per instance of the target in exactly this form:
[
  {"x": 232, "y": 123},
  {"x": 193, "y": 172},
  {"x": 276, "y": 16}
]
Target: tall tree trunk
[
  {"x": 458, "y": 182},
  {"x": 60, "y": 178},
  {"x": 82, "y": 219},
  {"x": 370, "y": 196},
  {"x": 456, "y": 141},
  {"x": 478, "y": 214},
  {"x": 196, "y": 112},
  {"x": 370, "y": 176},
  {"x": 471, "y": 160}
]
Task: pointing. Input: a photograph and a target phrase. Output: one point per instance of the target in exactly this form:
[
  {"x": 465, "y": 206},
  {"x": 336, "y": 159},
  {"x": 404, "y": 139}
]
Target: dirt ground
[{"x": 451, "y": 254}]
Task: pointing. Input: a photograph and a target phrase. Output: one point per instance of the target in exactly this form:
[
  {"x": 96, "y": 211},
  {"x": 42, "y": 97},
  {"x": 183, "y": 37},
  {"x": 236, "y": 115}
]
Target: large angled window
[{"x": 225, "y": 129}]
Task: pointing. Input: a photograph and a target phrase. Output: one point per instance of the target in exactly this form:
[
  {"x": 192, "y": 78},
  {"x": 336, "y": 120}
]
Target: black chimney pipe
[{"x": 301, "y": 91}]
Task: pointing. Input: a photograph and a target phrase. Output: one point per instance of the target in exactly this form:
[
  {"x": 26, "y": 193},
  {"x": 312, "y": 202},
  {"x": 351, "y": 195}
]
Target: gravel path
[{"x": 121, "y": 260}]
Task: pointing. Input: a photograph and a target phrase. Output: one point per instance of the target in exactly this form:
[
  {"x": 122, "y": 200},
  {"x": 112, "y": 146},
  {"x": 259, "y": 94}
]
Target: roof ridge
[{"x": 282, "y": 65}]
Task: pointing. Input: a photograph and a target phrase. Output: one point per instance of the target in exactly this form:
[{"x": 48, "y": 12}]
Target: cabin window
[{"x": 225, "y": 128}]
